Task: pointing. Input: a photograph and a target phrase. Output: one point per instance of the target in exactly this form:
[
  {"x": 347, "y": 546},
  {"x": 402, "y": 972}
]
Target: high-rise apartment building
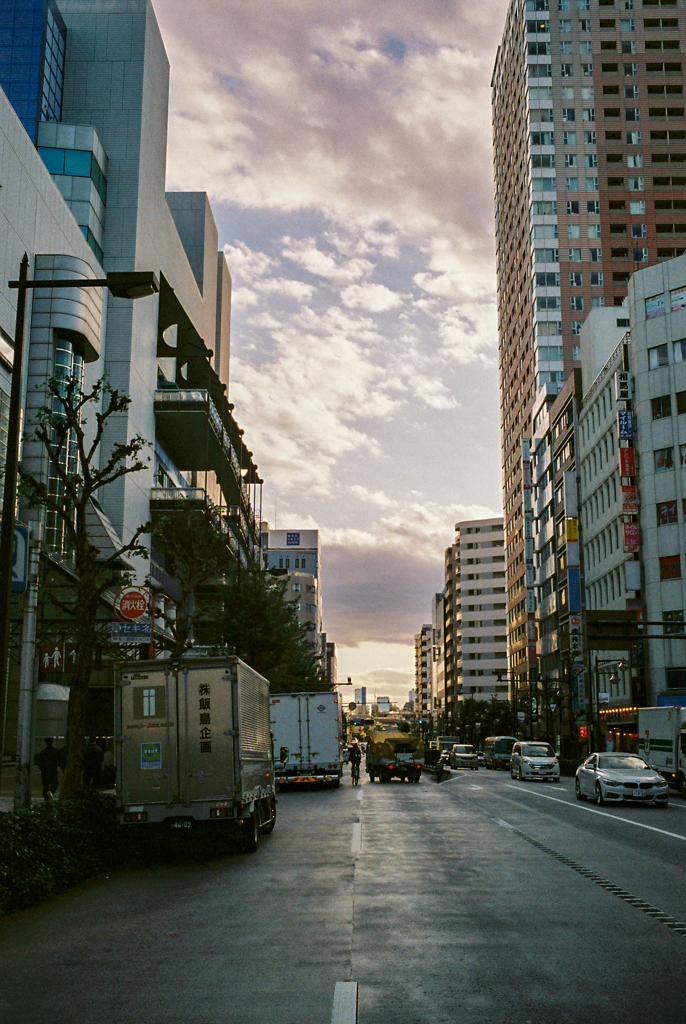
[
  {"x": 590, "y": 185},
  {"x": 422, "y": 670}
]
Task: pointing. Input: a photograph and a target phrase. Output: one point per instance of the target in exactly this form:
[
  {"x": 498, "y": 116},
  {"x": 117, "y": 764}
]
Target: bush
[{"x": 46, "y": 850}]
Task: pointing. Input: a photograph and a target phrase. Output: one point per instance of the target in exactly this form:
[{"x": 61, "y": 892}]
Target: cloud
[
  {"x": 375, "y": 298},
  {"x": 304, "y": 252},
  {"x": 373, "y": 497}
]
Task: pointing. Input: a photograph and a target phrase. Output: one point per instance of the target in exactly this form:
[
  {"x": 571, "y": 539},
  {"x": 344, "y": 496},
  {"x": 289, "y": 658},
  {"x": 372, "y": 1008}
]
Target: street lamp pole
[{"x": 123, "y": 285}]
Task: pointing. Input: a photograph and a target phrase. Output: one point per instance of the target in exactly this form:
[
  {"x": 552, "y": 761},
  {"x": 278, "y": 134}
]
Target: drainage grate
[{"x": 615, "y": 890}]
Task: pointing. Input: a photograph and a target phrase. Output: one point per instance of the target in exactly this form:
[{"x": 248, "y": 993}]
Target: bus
[{"x": 498, "y": 751}]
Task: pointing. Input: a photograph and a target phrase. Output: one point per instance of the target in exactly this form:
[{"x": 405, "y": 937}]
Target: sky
[{"x": 346, "y": 150}]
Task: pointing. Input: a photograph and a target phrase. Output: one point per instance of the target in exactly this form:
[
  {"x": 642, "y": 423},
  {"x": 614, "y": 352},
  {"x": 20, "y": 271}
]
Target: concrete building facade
[{"x": 422, "y": 671}]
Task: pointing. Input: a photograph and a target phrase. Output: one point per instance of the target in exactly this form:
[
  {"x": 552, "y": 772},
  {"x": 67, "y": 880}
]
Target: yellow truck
[{"x": 392, "y": 754}]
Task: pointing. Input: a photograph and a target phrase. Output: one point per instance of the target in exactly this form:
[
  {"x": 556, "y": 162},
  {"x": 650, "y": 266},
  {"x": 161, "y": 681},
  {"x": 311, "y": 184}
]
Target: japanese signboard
[
  {"x": 131, "y": 603},
  {"x": 655, "y": 306},
  {"x": 629, "y": 500},
  {"x": 293, "y": 539},
  {"x": 572, "y": 528},
  {"x": 627, "y": 462},
  {"x": 622, "y": 386},
  {"x": 678, "y": 299},
  {"x": 131, "y": 632},
  {"x": 625, "y": 424},
  {"x": 631, "y": 536},
  {"x": 56, "y": 657}
]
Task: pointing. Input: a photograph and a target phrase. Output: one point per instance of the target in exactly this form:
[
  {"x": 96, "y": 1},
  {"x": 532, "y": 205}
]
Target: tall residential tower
[{"x": 590, "y": 185}]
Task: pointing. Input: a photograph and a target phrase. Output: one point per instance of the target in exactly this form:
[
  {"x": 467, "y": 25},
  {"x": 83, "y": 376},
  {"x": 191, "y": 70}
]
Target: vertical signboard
[
  {"x": 627, "y": 462},
  {"x": 631, "y": 537}
]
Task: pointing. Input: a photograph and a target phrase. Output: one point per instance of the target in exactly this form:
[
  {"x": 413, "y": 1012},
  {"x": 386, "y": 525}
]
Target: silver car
[
  {"x": 534, "y": 760},
  {"x": 609, "y": 777}
]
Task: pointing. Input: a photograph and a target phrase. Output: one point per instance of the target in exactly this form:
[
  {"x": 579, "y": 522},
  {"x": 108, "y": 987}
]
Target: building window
[
  {"x": 674, "y": 622},
  {"x": 657, "y": 357},
  {"x": 680, "y": 402},
  {"x": 637, "y": 205},
  {"x": 596, "y": 279},
  {"x": 661, "y": 406},
  {"x": 664, "y": 459},
  {"x": 577, "y": 303},
  {"x": 667, "y": 513},
  {"x": 640, "y": 255},
  {"x": 595, "y": 255},
  {"x": 680, "y": 351},
  {"x": 675, "y": 678},
  {"x": 670, "y": 567}
]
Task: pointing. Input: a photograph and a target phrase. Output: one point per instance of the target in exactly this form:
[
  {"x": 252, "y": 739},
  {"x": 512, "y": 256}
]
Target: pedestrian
[
  {"x": 92, "y": 763},
  {"x": 47, "y": 761}
]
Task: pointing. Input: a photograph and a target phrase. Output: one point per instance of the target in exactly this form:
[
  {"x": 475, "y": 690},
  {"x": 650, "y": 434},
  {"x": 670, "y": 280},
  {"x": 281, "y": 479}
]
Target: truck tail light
[
  {"x": 219, "y": 812},
  {"x": 135, "y": 816}
]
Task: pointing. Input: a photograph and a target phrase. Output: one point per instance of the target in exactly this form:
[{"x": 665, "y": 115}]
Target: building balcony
[
  {"x": 547, "y": 644},
  {"x": 548, "y": 606},
  {"x": 169, "y": 500},
  {"x": 191, "y": 430}
]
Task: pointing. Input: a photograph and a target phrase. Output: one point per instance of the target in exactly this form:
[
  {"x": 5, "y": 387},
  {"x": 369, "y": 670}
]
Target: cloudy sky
[{"x": 346, "y": 150}]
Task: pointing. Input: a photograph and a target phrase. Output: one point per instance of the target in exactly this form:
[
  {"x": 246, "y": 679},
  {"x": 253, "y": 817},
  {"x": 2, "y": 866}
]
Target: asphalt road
[{"x": 477, "y": 901}]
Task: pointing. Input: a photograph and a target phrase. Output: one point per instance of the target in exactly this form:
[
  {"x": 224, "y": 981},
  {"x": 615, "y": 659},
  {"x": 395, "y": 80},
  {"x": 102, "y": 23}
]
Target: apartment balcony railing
[{"x": 167, "y": 500}]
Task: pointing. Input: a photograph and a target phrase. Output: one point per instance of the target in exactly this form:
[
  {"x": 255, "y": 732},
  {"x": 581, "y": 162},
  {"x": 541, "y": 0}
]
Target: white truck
[
  {"x": 193, "y": 748},
  {"x": 307, "y": 731},
  {"x": 662, "y": 742}
]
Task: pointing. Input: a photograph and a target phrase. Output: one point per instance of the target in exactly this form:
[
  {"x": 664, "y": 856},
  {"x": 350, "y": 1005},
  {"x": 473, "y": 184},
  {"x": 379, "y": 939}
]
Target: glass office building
[{"x": 32, "y": 46}]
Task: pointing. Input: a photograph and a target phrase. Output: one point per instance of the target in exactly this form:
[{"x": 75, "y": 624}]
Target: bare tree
[
  {"x": 76, "y": 475},
  {"x": 197, "y": 555}
]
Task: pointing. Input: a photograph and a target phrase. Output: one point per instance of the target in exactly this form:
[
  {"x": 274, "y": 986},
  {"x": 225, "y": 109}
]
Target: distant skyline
[{"x": 346, "y": 150}]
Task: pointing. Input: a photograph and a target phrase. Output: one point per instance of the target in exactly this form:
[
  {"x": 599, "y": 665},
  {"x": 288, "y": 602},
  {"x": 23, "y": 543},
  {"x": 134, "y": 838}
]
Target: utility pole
[{"x": 27, "y": 675}]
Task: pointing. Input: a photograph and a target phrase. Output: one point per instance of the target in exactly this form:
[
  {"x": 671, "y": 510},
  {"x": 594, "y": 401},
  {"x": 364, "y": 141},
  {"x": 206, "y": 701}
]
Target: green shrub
[{"x": 46, "y": 850}]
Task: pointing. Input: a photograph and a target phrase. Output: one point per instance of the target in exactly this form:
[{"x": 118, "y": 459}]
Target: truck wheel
[
  {"x": 681, "y": 785},
  {"x": 250, "y": 830},
  {"x": 270, "y": 813}
]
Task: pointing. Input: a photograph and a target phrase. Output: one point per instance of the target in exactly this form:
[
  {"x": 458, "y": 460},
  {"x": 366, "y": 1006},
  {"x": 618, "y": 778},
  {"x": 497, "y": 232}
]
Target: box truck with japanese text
[{"x": 193, "y": 748}]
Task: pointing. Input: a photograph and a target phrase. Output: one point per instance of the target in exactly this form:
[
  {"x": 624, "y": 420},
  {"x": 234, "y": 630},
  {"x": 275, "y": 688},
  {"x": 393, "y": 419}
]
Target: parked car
[
  {"x": 534, "y": 760},
  {"x": 463, "y": 755},
  {"x": 481, "y": 759},
  {"x": 608, "y": 777}
]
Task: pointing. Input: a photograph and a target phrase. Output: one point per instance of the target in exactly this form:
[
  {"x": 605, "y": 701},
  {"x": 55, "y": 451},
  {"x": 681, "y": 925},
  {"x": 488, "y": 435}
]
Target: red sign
[
  {"x": 583, "y": 732},
  {"x": 131, "y": 603},
  {"x": 352, "y": 706},
  {"x": 56, "y": 657},
  {"x": 627, "y": 462},
  {"x": 629, "y": 501},
  {"x": 631, "y": 538}
]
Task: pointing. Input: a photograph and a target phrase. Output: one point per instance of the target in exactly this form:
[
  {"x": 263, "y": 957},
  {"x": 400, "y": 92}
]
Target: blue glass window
[
  {"x": 77, "y": 162},
  {"x": 53, "y": 159}
]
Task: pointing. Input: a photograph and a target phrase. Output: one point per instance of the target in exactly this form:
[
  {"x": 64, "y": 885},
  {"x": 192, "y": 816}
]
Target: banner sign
[
  {"x": 627, "y": 462},
  {"x": 625, "y": 424},
  {"x": 631, "y": 537},
  {"x": 678, "y": 297},
  {"x": 623, "y": 386},
  {"x": 655, "y": 306},
  {"x": 629, "y": 500},
  {"x": 131, "y": 632}
]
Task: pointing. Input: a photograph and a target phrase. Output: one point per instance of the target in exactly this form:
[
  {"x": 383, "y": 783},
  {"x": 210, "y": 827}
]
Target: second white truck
[
  {"x": 662, "y": 742},
  {"x": 307, "y": 731}
]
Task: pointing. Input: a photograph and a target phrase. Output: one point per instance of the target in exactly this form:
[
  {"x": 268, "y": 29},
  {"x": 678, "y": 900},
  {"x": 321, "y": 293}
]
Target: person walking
[
  {"x": 47, "y": 761},
  {"x": 92, "y": 763}
]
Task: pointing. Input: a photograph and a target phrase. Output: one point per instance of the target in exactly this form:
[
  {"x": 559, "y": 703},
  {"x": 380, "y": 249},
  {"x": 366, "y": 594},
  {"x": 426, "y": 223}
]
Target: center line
[
  {"x": 604, "y": 814},
  {"x": 357, "y": 838}
]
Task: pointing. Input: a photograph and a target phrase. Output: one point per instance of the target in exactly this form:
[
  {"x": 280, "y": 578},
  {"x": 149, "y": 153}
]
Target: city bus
[{"x": 498, "y": 751}]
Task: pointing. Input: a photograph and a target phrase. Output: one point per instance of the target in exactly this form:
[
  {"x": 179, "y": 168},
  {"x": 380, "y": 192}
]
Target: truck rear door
[
  {"x": 207, "y": 730},
  {"x": 149, "y": 737}
]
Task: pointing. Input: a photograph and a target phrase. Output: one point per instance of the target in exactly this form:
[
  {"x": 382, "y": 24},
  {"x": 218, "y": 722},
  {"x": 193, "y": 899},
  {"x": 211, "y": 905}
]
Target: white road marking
[
  {"x": 505, "y": 824},
  {"x": 604, "y": 814},
  {"x": 344, "y": 1003},
  {"x": 356, "y": 844},
  {"x": 476, "y": 787},
  {"x": 455, "y": 778}
]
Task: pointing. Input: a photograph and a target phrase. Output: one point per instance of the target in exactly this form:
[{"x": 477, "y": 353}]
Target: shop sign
[
  {"x": 623, "y": 386},
  {"x": 625, "y": 424},
  {"x": 627, "y": 462},
  {"x": 655, "y": 306},
  {"x": 678, "y": 299},
  {"x": 631, "y": 536},
  {"x": 629, "y": 500}
]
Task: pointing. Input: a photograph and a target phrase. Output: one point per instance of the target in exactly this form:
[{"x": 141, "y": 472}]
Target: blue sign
[
  {"x": 20, "y": 559},
  {"x": 574, "y": 591},
  {"x": 151, "y": 756},
  {"x": 131, "y": 632},
  {"x": 625, "y": 424},
  {"x": 293, "y": 539}
]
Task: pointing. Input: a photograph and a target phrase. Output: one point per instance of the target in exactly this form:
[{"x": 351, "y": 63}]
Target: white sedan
[{"x": 610, "y": 777}]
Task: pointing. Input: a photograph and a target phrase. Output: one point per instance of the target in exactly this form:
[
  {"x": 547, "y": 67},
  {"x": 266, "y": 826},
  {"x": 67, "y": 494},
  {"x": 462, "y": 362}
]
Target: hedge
[{"x": 53, "y": 846}]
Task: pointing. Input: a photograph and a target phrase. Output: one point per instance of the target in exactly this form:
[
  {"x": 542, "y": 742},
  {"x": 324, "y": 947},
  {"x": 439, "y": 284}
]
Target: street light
[{"x": 133, "y": 285}]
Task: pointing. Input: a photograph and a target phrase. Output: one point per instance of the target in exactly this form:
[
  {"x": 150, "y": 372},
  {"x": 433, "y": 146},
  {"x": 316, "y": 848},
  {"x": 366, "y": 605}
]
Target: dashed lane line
[
  {"x": 344, "y": 1003},
  {"x": 356, "y": 843},
  {"x": 592, "y": 810},
  {"x": 615, "y": 890}
]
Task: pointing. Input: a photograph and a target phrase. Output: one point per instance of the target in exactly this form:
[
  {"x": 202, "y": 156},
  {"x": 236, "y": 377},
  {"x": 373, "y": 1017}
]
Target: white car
[
  {"x": 609, "y": 777},
  {"x": 533, "y": 759}
]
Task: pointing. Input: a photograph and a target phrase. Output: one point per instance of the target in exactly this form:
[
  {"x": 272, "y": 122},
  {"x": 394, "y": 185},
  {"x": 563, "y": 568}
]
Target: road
[{"x": 477, "y": 901}]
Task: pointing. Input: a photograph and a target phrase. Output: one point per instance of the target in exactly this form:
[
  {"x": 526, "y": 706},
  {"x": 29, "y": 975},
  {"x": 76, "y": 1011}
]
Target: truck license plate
[{"x": 181, "y": 823}]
